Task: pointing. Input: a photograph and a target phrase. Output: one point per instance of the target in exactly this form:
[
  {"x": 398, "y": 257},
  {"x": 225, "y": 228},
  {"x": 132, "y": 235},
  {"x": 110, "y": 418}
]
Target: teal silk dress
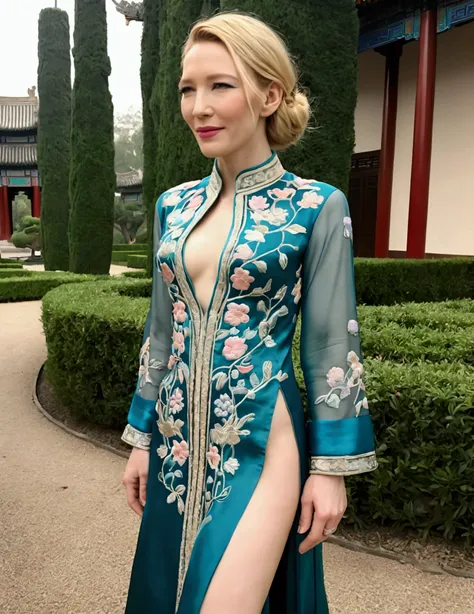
[{"x": 208, "y": 382}]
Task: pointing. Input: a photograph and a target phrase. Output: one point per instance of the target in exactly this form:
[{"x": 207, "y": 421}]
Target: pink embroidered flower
[
  {"x": 171, "y": 200},
  {"x": 195, "y": 202},
  {"x": 167, "y": 273},
  {"x": 241, "y": 279},
  {"x": 180, "y": 451},
  {"x": 282, "y": 194},
  {"x": 245, "y": 369},
  {"x": 234, "y": 347},
  {"x": 178, "y": 341},
  {"x": 176, "y": 401},
  {"x": 257, "y": 203},
  {"x": 311, "y": 200},
  {"x": 303, "y": 183},
  {"x": 243, "y": 252},
  {"x": 213, "y": 457},
  {"x": 298, "y": 272},
  {"x": 179, "y": 312},
  {"x": 296, "y": 292},
  {"x": 189, "y": 184},
  {"x": 236, "y": 314},
  {"x": 335, "y": 376},
  {"x": 353, "y": 327}
]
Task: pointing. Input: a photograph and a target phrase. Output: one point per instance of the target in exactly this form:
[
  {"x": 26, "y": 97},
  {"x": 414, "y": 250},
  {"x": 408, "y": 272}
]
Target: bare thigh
[{"x": 245, "y": 572}]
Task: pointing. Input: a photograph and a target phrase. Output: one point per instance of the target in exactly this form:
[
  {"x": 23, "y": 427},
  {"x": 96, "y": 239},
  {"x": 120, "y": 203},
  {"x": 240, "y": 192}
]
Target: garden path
[{"x": 68, "y": 537}]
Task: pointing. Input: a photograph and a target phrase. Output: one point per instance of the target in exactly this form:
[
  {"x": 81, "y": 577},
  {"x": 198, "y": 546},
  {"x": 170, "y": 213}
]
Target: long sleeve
[
  {"x": 154, "y": 354},
  {"x": 339, "y": 428}
]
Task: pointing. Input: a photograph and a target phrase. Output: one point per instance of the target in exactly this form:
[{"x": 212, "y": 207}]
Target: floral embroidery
[
  {"x": 146, "y": 364},
  {"x": 167, "y": 273},
  {"x": 179, "y": 312},
  {"x": 195, "y": 202},
  {"x": 180, "y": 452},
  {"x": 347, "y": 227},
  {"x": 241, "y": 279},
  {"x": 282, "y": 194},
  {"x": 176, "y": 401},
  {"x": 237, "y": 314},
  {"x": 224, "y": 406},
  {"x": 311, "y": 200},
  {"x": 353, "y": 327},
  {"x": 178, "y": 341},
  {"x": 234, "y": 347},
  {"x": 258, "y": 202},
  {"x": 243, "y": 252},
  {"x": 213, "y": 457},
  {"x": 341, "y": 383},
  {"x": 304, "y": 183}
]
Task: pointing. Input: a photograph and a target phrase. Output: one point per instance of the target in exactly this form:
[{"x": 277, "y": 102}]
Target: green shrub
[
  {"x": 135, "y": 247},
  {"x": 118, "y": 238},
  {"x": 34, "y": 287},
  {"x": 29, "y": 234},
  {"x": 93, "y": 333},
  {"x": 15, "y": 272},
  {"x": 136, "y": 274},
  {"x": 137, "y": 261},
  {"x": 387, "y": 281},
  {"x": 4, "y": 264},
  {"x": 119, "y": 258}
]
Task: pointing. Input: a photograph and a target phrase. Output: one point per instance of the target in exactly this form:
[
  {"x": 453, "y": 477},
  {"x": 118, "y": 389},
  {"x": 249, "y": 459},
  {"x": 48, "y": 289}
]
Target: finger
[
  {"x": 306, "y": 518},
  {"x": 315, "y": 536},
  {"x": 131, "y": 490},
  {"x": 143, "y": 482}
]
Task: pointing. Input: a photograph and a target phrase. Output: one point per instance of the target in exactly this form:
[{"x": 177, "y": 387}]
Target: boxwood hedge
[
  {"x": 15, "y": 272},
  {"x": 422, "y": 407},
  {"x": 37, "y": 284},
  {"x": 137, "y": 261},
  {"x": 10, "y": 264}
]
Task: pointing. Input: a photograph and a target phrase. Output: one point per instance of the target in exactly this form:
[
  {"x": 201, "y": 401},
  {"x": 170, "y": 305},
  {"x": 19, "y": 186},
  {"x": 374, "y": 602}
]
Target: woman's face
[{"x": 213, "y": 102}]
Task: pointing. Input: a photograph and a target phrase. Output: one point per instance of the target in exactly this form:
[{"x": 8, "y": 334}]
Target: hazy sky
[{"x": 19, "y": 50}]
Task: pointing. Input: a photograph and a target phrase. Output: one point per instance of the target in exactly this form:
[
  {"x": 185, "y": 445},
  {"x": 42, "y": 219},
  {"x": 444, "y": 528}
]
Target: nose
[{"x": 201, "y": 105}]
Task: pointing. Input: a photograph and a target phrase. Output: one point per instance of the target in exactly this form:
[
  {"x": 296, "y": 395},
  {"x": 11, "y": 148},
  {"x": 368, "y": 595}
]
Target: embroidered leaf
[
  {"x": 221, "y": 380},
  {"x": 254, "y": 379},
  {"x": 281, "y": 376},
  {"x": 222, "y": 334},
  {"x": 296, "y": 229},
  {"x": 234, "y": 331},
  {"x": 179, "y": 474},
  {"x": 281, "y": 292},
  {"x": 283, "y": 311},
  {"x": 345, "y": 392},
  {"x": 268, "y": 341},
  {"x": 180, "y": 489},
  {"x": 186, "y": 332},
  {"x": 251, "y": 395},
  {"x": 249, "y": 333},
  {"x": 180, "y": 376},
  {"x": 224, "y": 494},
  {"x": 234, "y": 374},
  {"x": 240, "y": 390},
  {"x": 261, "y": 266},
  {"x": 261, "y": 306},
  {"x": 261, "y": 228},
  {"x": 180, "y": 505},
  {"x": 210, "y": 479},
  {"x": 263, "y": 329},
  {"x": 185, "y": 369},
  {"x": 208, "y": 496},
  {"x": 171, "y": 497},
  {"x": 268, "y": 285},
  {"x": 206, "y": 520},
  {"x": 267, "y": 370},
  {"x": 283, "y": 260}
]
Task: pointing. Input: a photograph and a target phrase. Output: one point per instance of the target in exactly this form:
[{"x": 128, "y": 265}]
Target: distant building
[
  {"x": 130, "y": 186},
  {"x": 411, "y": 180},
  {"x": 18, "y": 157}
]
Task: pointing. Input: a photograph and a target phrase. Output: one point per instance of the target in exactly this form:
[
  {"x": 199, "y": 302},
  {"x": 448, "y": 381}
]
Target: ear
[{"x": 273, "y": 97}]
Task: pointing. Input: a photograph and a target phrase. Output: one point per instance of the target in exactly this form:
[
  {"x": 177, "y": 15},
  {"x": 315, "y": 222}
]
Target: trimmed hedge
[
  {"x": 5, "y": 264},
  {"x": 34, "y": 287},
  {"x": 387, "y": 281},
  {"x": 119, "y": 257},
  {"x": 136, "y": 274},
  {"x": 423, "y": 411},
  {"x": 136, "y": 247},
  {"x": 137, "y": 261},
  {"x": 93, "y": 333},
  {"x": 15, "y": 273}
]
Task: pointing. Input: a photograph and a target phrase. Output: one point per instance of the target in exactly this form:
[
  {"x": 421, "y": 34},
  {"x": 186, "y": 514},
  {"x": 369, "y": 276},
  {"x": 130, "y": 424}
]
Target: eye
[
  {"x": 185, "y": 90},
  {"x": 222, "y": 85}
]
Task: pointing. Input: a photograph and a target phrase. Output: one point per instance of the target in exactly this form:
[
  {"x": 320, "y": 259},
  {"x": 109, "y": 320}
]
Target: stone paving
[{"x": 68, "y": 536}]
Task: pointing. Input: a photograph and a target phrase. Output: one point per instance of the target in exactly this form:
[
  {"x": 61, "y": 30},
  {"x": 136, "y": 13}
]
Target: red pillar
[
  {"x": 423, "y": 136},
  {"x": 5, "y": 224},
  {"x": 392, "y": 54},
  {"x": 36, "y": 201}
]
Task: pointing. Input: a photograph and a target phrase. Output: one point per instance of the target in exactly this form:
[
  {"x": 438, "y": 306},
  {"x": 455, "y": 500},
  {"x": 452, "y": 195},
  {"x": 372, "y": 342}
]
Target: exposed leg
[{"x": 245, "y": 572}]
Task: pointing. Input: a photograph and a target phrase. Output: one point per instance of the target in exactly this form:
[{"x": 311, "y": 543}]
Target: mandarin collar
[{"x": 253, "y": 178}]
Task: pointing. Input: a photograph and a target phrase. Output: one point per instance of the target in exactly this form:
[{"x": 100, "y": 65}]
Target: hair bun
[{"x": 287, "y": 125}]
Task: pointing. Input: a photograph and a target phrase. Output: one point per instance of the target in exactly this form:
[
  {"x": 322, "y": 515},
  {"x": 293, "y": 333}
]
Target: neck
[{"x": 230, "y": 166}]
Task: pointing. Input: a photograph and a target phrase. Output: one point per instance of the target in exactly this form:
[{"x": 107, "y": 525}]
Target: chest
[{"x": 205, "y": 243}]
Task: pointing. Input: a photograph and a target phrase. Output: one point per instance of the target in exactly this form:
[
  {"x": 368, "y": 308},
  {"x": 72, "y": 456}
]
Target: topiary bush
[
  {"x": 93, "y": 334},
  {"x": 15, "y": 272},
  {"x": 137, "y": 261},
  {"x": 29, "y": 234},
  {"x": 12, "y": 264},
  {"x": 34, "y": 286}
]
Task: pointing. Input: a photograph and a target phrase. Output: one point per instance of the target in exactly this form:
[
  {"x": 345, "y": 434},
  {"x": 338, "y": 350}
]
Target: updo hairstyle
[{"x": 259, "y": 51}]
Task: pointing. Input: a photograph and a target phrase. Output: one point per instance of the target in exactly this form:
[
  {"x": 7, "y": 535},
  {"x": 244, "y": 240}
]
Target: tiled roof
[
  {"x": 18, "y": 113},
  {"x": 18, "y": 155},
  {"x": 130, "y": 179}
]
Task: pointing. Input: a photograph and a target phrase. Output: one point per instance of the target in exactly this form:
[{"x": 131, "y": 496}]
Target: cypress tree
[
  {"x": 54, "y": 127},
  {"x": 322, "y": 36},
  {"x": 179, "y": 158},
  {"x": 149, "y": 69},
  {"x": 92, "y": 185}
]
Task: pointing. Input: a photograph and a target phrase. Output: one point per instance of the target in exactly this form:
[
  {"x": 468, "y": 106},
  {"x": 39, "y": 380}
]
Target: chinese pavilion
[
  {"x": 130, "y": 186},
  {"x": 18, "y": 159}
]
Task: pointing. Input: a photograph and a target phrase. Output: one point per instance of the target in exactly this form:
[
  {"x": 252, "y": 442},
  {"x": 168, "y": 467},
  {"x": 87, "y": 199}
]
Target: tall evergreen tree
[
  {"x": 178, "y": 155},
  {"x": 54, "y": 128},
  {"x": 149, "y": 68},
  {"x": 92, "y": 185},
  {"x": 323, "y": 37}
]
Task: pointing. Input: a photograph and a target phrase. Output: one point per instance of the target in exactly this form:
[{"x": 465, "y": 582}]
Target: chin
[{"x": 215, "y": 150}]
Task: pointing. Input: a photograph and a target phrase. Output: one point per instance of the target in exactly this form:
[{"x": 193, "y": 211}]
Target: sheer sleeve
[
  {"x": 154, "y": 354},
  {"x": 339, "y": 427}
]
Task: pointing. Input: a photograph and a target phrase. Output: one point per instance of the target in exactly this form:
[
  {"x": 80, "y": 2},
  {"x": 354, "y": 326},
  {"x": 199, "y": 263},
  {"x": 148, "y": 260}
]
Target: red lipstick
[{"x": 206, "y": 132}]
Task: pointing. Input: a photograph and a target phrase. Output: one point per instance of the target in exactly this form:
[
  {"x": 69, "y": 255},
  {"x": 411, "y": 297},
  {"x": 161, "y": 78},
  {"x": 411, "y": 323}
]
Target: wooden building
[
  {"x": 411, "y": 181},
  {"x": 18, "y": 157},
  {"x": 130, "y": 186}
]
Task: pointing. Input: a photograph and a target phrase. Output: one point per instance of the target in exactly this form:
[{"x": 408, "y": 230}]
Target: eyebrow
[{"x": 210, "y": 78}]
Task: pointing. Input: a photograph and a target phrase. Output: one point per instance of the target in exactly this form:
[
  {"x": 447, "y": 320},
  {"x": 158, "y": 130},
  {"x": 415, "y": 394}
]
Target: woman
[{"x": 240, "y": 492}]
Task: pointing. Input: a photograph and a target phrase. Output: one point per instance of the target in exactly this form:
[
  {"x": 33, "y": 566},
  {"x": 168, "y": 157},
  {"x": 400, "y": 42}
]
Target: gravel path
[{"x": 68, "y": 537}]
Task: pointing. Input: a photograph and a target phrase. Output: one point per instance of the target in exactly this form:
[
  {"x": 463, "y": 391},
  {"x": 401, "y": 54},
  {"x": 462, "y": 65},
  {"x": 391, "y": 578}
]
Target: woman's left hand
[{"x": 323, "y": 504}]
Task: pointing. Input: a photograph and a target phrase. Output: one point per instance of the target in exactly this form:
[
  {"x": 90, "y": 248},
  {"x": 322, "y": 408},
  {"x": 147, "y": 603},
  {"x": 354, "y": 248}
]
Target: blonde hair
[{"x": 264, "y": 55}]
